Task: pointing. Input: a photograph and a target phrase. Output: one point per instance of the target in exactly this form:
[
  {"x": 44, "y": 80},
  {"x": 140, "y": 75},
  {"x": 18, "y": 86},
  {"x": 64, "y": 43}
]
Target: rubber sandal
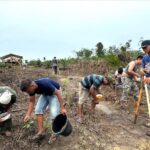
[
  {"x": 38, "y": 137},
  {"x": 80, "y": 120},
  {"x": 52, "y": 139}
]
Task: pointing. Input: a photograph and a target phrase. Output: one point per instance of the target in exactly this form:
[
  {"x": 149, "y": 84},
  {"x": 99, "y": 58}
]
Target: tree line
[{"x": 113, "y": 55}]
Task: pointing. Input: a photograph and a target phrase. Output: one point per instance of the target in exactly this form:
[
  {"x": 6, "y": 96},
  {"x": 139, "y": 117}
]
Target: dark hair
[
  {"x": 120, "y": 70},
  {"x": 109, "y": 79},
  {"x": 25, "y": 84},
  {"x": 140, "y": 57}
]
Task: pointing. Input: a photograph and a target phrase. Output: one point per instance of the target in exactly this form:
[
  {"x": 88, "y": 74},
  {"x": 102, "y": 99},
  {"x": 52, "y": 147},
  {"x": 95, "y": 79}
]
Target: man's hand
[
  {"x": 63, "y": 111},
  {"x": 27, "y": 118},
  {"x": 58, "y": 94},
  {"x": 147, "y": 80},
  {"x": 95, "y": 101},
  {"x": 137, "y": 79},
  {"x": 143, "y": 71}
]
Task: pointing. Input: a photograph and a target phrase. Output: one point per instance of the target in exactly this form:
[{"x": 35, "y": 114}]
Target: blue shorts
[{"x": 51, "y": 101}]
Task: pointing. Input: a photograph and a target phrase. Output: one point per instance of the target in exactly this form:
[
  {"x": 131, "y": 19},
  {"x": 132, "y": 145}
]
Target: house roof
[{"x": 10, "y": 55}]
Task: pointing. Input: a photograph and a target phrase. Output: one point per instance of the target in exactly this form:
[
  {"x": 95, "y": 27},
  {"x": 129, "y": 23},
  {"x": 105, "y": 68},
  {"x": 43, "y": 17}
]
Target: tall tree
[
  {"x": 79, "y": 53},
  {"x": 87, "y": 53},
  {"x": 84, "y": 53}
]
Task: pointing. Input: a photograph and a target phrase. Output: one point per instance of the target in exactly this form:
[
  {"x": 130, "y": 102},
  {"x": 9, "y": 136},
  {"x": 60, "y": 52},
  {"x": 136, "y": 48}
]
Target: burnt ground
[{"x": 110, "y": 128}]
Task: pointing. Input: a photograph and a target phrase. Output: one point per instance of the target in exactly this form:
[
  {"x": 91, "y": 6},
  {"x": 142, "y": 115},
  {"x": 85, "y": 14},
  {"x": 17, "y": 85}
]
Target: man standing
[
  {"x": 89, "y": 86},
  {"x": 50, "y": 96},
  {"x": 129, "y": 78},
  {"x": 55, "y": 65},
  {"x": 7, "y": 99},
  {"x": 145, "y": 45}
]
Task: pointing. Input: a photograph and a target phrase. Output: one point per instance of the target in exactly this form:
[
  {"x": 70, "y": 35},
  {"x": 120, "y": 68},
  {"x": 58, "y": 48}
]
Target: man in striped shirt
[{"x": 89, "y": 86}]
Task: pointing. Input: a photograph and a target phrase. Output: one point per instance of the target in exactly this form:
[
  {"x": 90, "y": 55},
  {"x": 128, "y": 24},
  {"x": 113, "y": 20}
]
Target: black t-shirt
[{"x": 46, "y": 86}]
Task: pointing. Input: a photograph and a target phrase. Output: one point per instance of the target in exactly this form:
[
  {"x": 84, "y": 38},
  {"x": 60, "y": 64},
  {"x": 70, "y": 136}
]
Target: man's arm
[
  {"x": 142, "y": 71},
  {"x": 147, "y": 80},
  {"x": 92, "y": 92},
  {"x": 130, "y": 70},
  {"x": 30, "y": 108},
  {"x": 58, "y": 94}
]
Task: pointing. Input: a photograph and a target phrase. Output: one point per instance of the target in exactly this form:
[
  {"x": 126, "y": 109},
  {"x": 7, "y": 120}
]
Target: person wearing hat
[
  {"x": 89, "y": 87},
  {"x": 130, "y": 77},
  {"x": 50, "y": 95},
  {"x": 7, "y": 99},
  {"x": 145, "y": 45}
]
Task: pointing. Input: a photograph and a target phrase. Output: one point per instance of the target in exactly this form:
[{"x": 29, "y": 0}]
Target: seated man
[
  {"x": 7, "y": 99},
  {"x": 89, "y": 86}
]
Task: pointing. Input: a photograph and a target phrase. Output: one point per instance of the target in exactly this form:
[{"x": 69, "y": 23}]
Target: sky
[{"x": 39, "y": 28}]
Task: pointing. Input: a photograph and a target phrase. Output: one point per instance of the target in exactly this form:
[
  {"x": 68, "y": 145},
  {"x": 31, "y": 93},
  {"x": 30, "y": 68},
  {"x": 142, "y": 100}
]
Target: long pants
[
  {"x": 128, "y": 85},
  {"x": 55, "y": 69}
]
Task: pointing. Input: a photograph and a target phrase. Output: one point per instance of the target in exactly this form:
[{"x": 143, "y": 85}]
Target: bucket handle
[{"x": 61, "y": 129}]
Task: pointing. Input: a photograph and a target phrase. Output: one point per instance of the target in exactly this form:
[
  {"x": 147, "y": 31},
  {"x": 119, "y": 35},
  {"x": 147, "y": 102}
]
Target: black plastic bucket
[{"x": 61, "y": 125}]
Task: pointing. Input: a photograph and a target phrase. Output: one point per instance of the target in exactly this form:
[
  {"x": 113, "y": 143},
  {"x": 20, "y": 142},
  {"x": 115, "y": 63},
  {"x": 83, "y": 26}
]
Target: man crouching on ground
[
  {"x": 89, "y": 86},
  {"x": 7, "y": 99},
  {"x": 50, "y": 96}
]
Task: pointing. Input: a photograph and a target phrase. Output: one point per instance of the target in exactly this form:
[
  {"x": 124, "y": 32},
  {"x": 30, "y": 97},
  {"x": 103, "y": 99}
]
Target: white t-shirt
[{"x": 117, "y": 74}]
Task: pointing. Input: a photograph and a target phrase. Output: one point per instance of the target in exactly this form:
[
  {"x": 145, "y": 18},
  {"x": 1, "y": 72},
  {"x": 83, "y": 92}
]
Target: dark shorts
[{"x": 6, "y": 125}]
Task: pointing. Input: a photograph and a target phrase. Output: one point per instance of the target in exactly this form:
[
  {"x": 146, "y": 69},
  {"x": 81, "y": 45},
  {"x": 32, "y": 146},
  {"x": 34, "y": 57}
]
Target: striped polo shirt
[{"x": 92, "y": 79}]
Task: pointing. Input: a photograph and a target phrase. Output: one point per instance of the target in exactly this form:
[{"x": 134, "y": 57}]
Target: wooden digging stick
[{"x": 137, "y": 104}]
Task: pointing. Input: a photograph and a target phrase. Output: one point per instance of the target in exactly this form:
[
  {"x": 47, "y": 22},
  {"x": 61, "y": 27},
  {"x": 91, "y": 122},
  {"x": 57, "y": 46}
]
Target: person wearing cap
[
  {"x": 130, "y": 77},
  {"x": 7, "y": 99},
  {"x": 145, "y": 45},
  {"x": 50, "y": 95},
  {"x": 89, "y": 87}
]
